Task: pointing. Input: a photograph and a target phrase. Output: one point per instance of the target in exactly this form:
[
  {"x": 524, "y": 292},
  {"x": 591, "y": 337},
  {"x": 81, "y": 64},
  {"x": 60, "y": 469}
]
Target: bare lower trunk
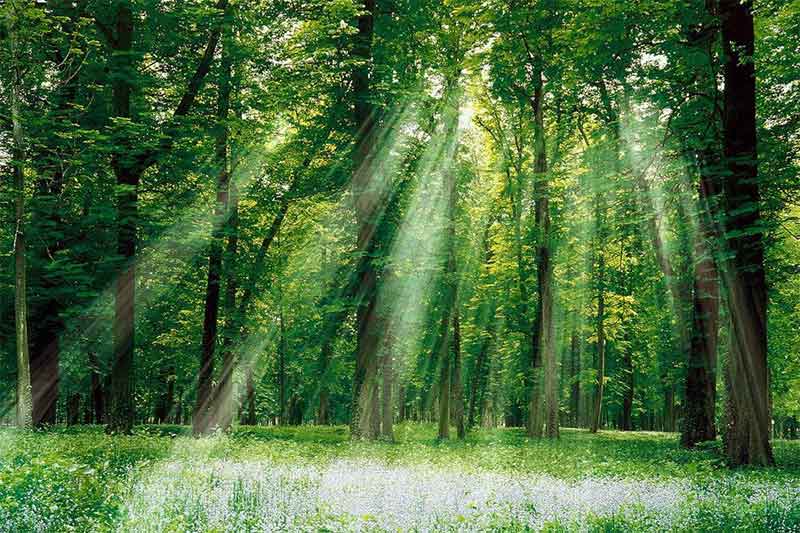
[
  {"x": 281, "y": 377},
  {"x": 444, "y": 395},
  {"x": 748, "y": 433},
  {"x": 388, "y": 382},
  {"x": 601, "y": 347},
  {"x": 24, "y": 396},
  {"x": 701, "y": 380},
  {"x": 457, "y": 388},
  {"x": 575, "y": 372},
  {"x": 324, "y": 396}
]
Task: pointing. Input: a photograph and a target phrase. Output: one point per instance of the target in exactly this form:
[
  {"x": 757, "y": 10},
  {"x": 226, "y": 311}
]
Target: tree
[
  {"x": 747, "y": 436},
  {"x": 129, "y": 164},
  {"x": 24, "y": 398}
]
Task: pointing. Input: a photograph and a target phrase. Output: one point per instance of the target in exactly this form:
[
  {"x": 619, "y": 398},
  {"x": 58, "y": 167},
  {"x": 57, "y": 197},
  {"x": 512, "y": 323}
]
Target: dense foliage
[{"x": 488, "y": 213}]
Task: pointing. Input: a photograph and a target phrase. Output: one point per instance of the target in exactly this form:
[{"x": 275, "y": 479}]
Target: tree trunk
[
  {"x": 601, "y": 342},
  {"x": 224, "y": 401},
  {"x": 701, "y": 380},
  {"x": 387, "y": 372},
  {"x": 747, "y": 438},
  {"x": 97, "y": 395},
  {"x": 129, "y": 163},
  {"x": 457, "y": 384},
  {"x": 24, "y": 410},
  {"x": 250, "y": 398},
  {"x": 282, "y": 406},
  {"x": 575, "y": 378},
  {"x": 121, "y": 416},
  {"x": 74, "y": 409},
  {"x": 444, "y": 393},
  {"x": 628, "y": 393},
  {"x": 544, "y": 356},
  {"x": 325, "y": 353},
  {"x": 487, "y": 317},
  {"x": 203, "y": 411},
  {"x": 366, "y": 206}
]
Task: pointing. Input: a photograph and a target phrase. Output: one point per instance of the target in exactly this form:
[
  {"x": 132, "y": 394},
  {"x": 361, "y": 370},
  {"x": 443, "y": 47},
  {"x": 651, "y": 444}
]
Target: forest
[{"x": 399, "y": 265}]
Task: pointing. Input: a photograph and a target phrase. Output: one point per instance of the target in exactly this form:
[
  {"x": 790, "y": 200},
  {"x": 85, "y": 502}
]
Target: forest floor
[{"x": 315, "y": 479}]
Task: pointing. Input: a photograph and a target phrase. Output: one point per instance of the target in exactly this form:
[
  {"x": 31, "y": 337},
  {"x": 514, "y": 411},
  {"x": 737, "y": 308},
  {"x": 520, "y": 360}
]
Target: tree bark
[
  {"x": 387, "y": 371},
  {"x": 366, "y": 207},
  {"x": 129, "y": 164},
  {"x": 205, "y": 409},
  {"x": 747, "y": 437},
  {"x": 121, "y": 415},
  {"x": 282, "y": 406},
  {"x": 457, "y": 384},
  {"x": 544, "y": 357},
  {"x": 600, "y": 329},
  {"x": 701, "y": 379},
  {"x": 24, "y": 407}
]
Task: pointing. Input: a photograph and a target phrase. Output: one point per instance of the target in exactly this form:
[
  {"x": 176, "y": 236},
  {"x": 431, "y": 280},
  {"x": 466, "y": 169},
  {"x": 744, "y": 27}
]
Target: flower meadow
[{"x": 314, "y": 479}]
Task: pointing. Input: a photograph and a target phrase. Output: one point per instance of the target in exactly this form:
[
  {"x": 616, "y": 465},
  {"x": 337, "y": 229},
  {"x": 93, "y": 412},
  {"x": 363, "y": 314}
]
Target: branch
[{"x": 151, "y": 156}]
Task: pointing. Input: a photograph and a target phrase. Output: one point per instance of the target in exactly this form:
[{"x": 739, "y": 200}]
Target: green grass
[{"x": 79, "y": 479}]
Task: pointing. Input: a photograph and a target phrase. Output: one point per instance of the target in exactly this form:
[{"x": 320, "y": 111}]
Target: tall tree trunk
[
  {"x": 487, "y": 317},
  {"x": 747, "y": 437},
  {"x": 224, "y": 396},
  {"x": 121, "y": 415},
  {"x": 701, "y": 379},
  {"x": 129, "y": 163},
  {"x": 24, "y": 408},
  {"x": 207, "y": 405},
  {"x": 700, "y": 387},
  {"x": 544, "y": 357},
  {"x": 450, "y": 295},
  {"x": 366, "y": 206}
]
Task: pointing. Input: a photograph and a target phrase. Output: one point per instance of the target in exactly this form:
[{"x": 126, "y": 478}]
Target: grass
[{"x": 315, "y": 479}]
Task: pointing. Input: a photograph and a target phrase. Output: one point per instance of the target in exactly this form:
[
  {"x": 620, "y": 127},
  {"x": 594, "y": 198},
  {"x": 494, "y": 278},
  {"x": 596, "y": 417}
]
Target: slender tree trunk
[
  {"x": 601, "y": 342},
  {"x": 387, "y": 371},
  {"x": 457, "y": 384},
  {"x": 444, "y": 393},
  {"x": 325, "y": 353},
  {"x": 282, "y": 406},
  {"x": 628, "y": 394},
  {"x": 747, "y": 437},
  {"x": 223, "y": 408},
  {"x": 97, "y": 395},
  {"x": 24, "y": 409},
  {"x": 74, "y": 409},
  {"x": 575, "y": 378},
  {"x": 204, "y": 409},
  {"x": 250, "y": 397},
  {"x": 487, "y": 317}
]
